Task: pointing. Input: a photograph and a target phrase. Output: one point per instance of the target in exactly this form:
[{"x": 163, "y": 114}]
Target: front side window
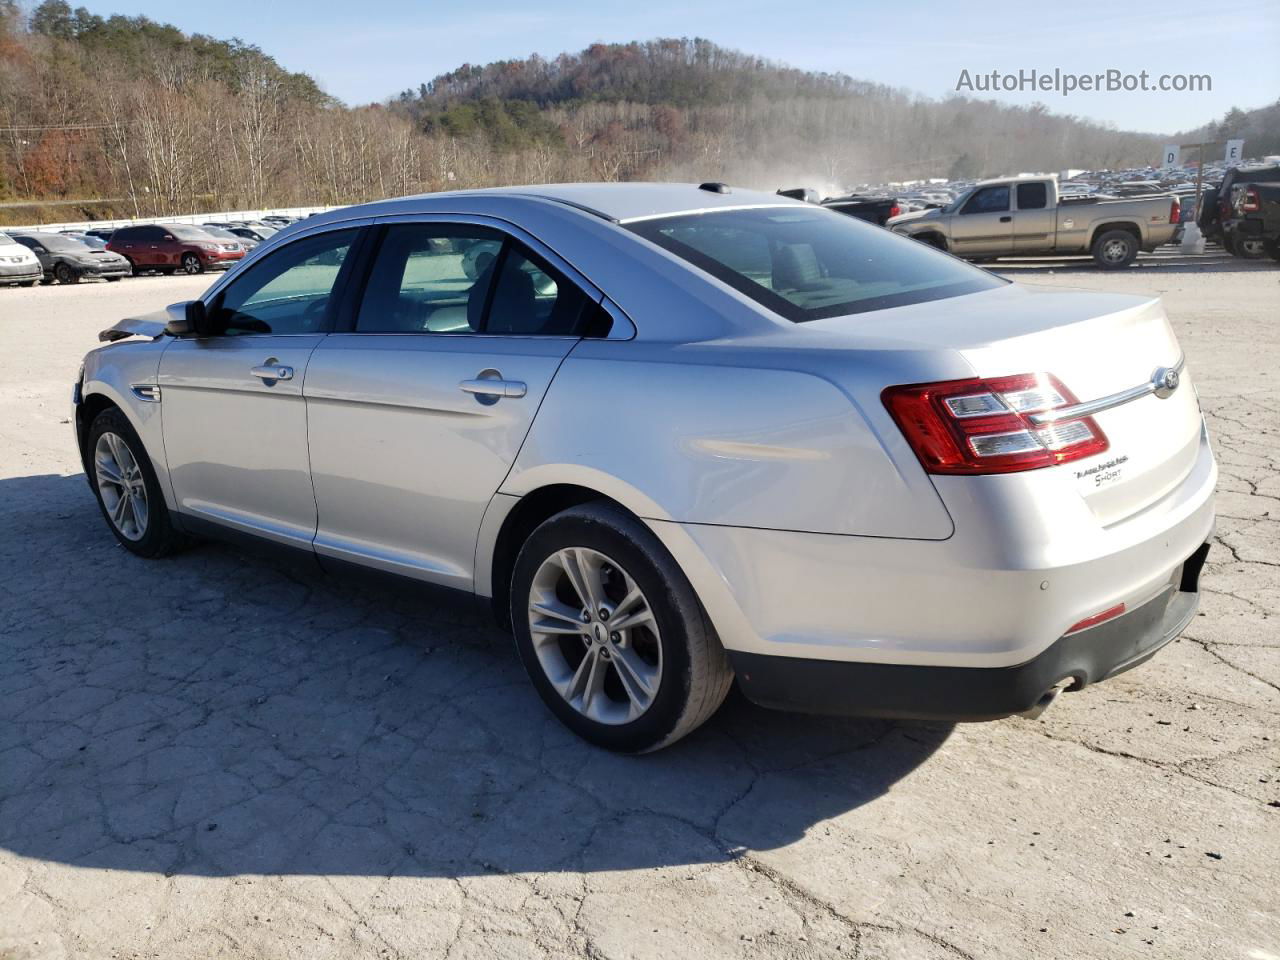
[
  {"x": 465, "y": 278},
  {"x": 811, "y": 264},
  {"x": 289, "y": 292},
  {"x": 988, "y": 200}
]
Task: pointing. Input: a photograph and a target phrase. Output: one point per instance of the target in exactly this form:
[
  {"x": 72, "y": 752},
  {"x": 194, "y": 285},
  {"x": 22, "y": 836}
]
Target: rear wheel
[
  {"x": 611, "y": 632},
  {"x": 191, "y": 264},
  {"x": 65, "y": 274},
  {"x": 127, "y": 488},
  {"x": 1251, "y": 248},
  {"x": 1115, "y": 249},
  {"x": 1273, "y": 248},
  {"x": 133, "y": 267}
]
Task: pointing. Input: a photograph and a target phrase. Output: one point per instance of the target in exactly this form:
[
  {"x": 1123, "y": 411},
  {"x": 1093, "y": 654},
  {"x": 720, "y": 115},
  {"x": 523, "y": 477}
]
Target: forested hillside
[
  {"x": 128, "y": 117},
  {"x": 1259, "y": 129}
]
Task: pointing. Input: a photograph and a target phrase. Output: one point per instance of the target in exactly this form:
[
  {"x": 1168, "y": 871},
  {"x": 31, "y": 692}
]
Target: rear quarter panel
[{"x": 700, "y": 434}]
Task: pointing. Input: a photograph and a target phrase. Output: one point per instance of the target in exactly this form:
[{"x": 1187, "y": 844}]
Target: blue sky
[{"x": 363, "y": 52}]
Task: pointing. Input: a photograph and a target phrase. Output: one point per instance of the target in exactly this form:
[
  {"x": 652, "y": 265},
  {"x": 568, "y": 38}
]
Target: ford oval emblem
[{"x": 1164, "y": 382}]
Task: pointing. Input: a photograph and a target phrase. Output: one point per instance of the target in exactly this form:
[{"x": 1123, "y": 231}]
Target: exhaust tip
[{"x": 1043, "y": 704}]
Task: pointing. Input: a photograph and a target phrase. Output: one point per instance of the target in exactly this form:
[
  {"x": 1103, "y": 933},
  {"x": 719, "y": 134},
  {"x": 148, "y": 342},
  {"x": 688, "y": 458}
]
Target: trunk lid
[{"x": 1097, "y": 345}]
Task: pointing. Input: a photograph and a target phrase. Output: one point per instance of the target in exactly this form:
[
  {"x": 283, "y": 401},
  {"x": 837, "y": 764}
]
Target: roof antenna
[{"x": 714, "y": 186}]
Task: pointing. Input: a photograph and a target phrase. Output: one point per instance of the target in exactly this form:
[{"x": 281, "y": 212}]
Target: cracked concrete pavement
[{"x": 219, "y": 755}]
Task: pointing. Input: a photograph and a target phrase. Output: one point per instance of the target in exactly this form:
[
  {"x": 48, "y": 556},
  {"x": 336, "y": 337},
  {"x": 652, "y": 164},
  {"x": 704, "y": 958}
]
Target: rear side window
[
  {"x": 1033, "y": 196},
  {"x": 430, "y": 278},
  {"x": 465, "y": 278},
  {"x": 811, "y": 264},
  {"x": 988, "y": 200},
  {"x": 533, "y": 298}
]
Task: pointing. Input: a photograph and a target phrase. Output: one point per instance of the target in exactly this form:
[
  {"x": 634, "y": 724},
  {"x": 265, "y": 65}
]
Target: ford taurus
[{"x": 682, "y": 435}]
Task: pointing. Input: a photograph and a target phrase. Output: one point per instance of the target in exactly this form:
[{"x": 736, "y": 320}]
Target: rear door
[
  {"x": 984, "y": 225},
  {"x": 417, "y": 412},
  {"x": 1033, "y": 220}
]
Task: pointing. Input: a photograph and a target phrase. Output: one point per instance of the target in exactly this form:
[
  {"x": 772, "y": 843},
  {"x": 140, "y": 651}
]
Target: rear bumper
[{"x": 975, "y": 693}]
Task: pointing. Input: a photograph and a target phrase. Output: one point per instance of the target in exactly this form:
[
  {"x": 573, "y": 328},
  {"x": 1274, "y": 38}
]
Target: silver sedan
[{"x": 681, "y": 434}]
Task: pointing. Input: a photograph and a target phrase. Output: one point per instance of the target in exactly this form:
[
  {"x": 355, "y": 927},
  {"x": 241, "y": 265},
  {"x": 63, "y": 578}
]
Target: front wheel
[
  {"x": 191, "y": 264},
  {"x": 127, "y": 488},
  {"x": 611, "y": 632},
  {"x": 65, "y": 274},
  {"x": 1115, "y": 249}
]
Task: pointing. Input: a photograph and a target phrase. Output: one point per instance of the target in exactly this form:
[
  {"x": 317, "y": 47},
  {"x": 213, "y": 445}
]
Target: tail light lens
[
  {"x": 1250, "y": 202},
  {"x": 1175, "y": 211},
  {"x": 983, "y": 425},
  {"x": 895, "y": 211}
]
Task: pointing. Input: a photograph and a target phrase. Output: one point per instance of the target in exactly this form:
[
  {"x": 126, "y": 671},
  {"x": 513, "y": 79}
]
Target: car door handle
[
  {"x": 272, "y": 370},
  {"x": 486, "y": 387},
  {"x": 1006, "y": 219}
]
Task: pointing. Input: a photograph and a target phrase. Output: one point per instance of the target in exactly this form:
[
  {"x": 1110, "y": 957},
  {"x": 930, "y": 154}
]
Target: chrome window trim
[{"x": 1158, "y": 384}]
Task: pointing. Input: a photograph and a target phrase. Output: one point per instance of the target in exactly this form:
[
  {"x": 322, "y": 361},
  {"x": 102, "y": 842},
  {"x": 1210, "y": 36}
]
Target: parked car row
[{"x": 28, "y": 257}]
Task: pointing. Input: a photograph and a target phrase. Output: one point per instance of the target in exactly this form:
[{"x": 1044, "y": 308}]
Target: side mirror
[
  {"x": 168, "y": 236},
  {"x": 186, "y": 319},
  {"x": 38, "y": 249}
]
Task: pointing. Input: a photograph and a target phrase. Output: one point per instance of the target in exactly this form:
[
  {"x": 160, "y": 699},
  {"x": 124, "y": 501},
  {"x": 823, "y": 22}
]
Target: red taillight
[
  {"x": 1175, "y": 211},
  {"x": 984, "y": 426},
  {"x": 1109, "y": 614},
  {"x": 895, "y": 211},
  {"x": 1251, "y": 202}
]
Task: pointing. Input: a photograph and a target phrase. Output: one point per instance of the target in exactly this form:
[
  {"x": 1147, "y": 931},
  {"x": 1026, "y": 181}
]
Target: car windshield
[
  {"x": 220, "y": 233},
  {"x": 60, "y": 244},
  {"x": 186, "y": 232},
  {"x": 807, "y": 264},
  {"x": 6, "y": 239}
]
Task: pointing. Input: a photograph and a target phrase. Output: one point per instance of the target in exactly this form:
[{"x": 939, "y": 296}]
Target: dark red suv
[{"x": 170, "y": 247}]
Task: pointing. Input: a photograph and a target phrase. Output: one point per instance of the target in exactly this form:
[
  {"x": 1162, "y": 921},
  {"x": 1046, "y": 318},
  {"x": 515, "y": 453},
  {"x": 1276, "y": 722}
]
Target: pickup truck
[
  {"x": 1216, "y": 206},
  {"x": 877, "y": 210},
  {"x": 1025, "y": 216},
  {"x": 1253, "y": 223}
]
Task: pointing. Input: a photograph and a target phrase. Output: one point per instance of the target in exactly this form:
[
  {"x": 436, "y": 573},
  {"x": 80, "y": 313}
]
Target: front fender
[{"x": 110, "y": 375}]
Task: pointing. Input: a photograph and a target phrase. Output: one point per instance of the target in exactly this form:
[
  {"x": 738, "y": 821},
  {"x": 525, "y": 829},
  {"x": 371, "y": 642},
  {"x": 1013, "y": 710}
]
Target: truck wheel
[
  {"x": 1273, "y": 248},
  {"x": 1115, "y": 249}
]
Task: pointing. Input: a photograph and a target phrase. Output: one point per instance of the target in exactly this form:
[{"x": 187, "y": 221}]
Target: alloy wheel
[
  {"x": 595, "y": 635},
  {"x": 121, "y": 486},
  {"x": 1114, "y": 251}
]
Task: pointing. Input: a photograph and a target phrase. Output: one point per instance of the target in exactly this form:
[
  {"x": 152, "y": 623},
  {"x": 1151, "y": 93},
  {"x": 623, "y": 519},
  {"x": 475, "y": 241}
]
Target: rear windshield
[{"x": 810, "y": 263}]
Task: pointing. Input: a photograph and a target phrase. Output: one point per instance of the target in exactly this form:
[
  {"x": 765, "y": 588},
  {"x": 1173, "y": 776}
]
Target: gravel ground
[{"x": 218, "y": 755}]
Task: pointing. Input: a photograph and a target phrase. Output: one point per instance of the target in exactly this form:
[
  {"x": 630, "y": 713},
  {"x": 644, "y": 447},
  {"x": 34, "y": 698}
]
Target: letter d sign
[{"x": 1170, "y": 157}]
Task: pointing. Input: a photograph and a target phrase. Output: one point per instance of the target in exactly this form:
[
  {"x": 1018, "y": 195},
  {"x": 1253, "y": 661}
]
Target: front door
[
  {"x": 984, "y": 225},
  {"x": 416, "y": 415},
  {"x": 235, "y": 422}
]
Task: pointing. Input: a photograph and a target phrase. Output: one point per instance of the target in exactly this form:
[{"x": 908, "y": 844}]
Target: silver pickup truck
[{"x": 1026, "y": 216}]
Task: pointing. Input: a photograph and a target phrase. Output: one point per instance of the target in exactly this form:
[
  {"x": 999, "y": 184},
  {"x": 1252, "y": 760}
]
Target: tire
[
  {"x": 1273, "y": 248},
  {"x": 675, "y": 650},
  {"x": 191, "y": 264},
  {"x": 28, "y": 283},
  {"x": 113, "y": 279},
  {"x": 1115, "y": 249},
  {"x": 64, "y": 274},
  {"x": 1251, "y": 248},
  {"x": 154, "y": 536}
]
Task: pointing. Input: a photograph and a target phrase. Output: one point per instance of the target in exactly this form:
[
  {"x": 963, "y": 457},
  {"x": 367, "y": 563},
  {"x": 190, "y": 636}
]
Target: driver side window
[
  {"x": 988, "y": 200},
  {"x": 290, "y": 292}
]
